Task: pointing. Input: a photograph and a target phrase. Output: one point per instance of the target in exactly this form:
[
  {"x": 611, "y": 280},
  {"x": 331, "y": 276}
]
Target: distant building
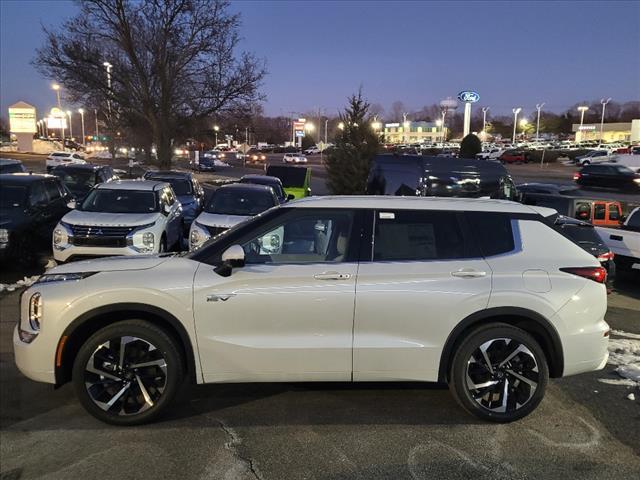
[
  {"x": 412, "y": 132},
  {"x": 611, "y": 132}
]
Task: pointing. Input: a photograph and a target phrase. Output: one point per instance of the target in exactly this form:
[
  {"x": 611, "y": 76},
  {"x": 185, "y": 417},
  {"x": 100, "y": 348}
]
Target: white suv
[
  {"x": 124, "y": 217},
  {"x": 482, "y": 294},
  {"x": 55, "y": 159}
]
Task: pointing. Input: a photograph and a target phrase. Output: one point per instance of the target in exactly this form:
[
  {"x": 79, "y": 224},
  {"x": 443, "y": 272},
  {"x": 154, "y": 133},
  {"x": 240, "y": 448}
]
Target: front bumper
[
  {"x": 76, "y": 251},
  {"x": 33, "y": 361}
]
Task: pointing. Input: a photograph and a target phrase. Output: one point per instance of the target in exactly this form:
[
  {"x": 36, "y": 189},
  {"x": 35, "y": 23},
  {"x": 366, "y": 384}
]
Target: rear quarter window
[{"x": 492, "y": 232}]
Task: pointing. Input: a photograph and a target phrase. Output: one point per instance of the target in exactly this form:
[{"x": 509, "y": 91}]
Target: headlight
[
  {"x": 148, "y": 239},
  {"x": 35, "y": 311},
  {"x": 637, "y": 180},
  {"x": 62, "y": 277},
  {"x": 4, "y": 235},
  {"x": 199, "y": 234},
  {"x": 58, "y": 236}
]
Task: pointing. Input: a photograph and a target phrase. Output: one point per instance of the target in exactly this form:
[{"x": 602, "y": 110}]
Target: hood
[
  {"x": 217, "y": 220},
  {"x": 112, "y": 264},
  {"x": 77, "y": 217},
  {"x": 186, "y": 199}
]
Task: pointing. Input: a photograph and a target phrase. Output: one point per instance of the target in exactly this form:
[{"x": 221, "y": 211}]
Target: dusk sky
[{"x": 318, "y": 53}]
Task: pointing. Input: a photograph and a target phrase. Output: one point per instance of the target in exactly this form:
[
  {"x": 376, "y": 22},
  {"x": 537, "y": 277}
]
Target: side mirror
[
  {"x": 71, "y": 204},
  {"x": 166, "y": 209},
  {"x": 290, "y": 197},
  {"x": 232, "y": 257}
]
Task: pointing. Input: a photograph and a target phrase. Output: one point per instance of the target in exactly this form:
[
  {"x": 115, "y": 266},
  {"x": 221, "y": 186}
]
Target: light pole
[
  {"x": 582, "y": 109},
  {"x": 70, "y": 124},
  {"x": 538, "y": 107},
  {"x": 81, "y": 112},
  {"x": 405, "y": 125},
  {"x": 439, "y": 125},
  {"x": 484, "y": 122},
  {"x": 95, "y": 111},
  {"x": 515, "y": 111},
  {"x": 604, "y": 105},
  {"x": 326, "y": 125},
  {"x": 56, "y": 87},
  {"x": 108, "y": 66},
  {"x": 216, "y": 128}
]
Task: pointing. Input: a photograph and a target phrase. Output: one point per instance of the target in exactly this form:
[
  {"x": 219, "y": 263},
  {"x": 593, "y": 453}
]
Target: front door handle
[
  {"x": 332, "y": 276},
  {"x": 468, "y": 273},
  {"x": 223, "y": 297}
]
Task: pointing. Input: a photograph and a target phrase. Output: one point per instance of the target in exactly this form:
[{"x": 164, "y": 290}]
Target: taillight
[
  {"x": 576, "y": 176},
  {"x": 606, "y": 257},
  {"x": 597, "y": 274}
]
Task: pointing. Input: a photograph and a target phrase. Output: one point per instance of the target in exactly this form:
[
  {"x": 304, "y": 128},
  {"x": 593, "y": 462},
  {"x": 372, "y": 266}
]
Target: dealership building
[
  {"x": 412, "y": 132},
  {"x": 611, "y": 132}
]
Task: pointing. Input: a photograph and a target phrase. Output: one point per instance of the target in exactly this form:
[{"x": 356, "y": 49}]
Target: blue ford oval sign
[{"x": 468, "y": 96}]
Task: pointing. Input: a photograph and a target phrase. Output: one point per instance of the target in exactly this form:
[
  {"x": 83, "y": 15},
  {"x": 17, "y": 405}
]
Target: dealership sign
[
  {"x": 22, "y": 118},
  {"x": 468, "y": 96},
  {"x": 587, "y": 127}
]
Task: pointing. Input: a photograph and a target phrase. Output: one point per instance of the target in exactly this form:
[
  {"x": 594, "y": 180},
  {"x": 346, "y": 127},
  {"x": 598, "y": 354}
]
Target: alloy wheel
[
  {"x": 125, "y": 375},
  {"x": 502, "y": 375}
]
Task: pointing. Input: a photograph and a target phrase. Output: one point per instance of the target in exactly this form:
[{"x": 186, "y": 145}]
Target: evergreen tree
[
  {"x": 470, "y": 146},
  {"x": 355, "y": 146}
]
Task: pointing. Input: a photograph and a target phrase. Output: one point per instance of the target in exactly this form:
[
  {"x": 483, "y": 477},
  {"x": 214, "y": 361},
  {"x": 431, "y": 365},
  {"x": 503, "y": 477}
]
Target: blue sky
[{"x": 318, "y": 53}]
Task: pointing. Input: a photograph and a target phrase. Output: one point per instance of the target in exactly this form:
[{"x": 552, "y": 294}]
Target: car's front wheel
[
  {"x": 499, "y": 373},
  {"x": 128, "y": 372}
]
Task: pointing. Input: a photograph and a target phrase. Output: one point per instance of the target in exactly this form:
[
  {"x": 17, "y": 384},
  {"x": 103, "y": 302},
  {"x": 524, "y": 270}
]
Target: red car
[{"x": 513, "y": 156}]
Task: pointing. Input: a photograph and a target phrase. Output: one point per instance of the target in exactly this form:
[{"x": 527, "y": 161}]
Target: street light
[
  {"x": 56, "y": 87},
  {"x": 604, "y": 105},
  {"x": 582, "y": 109},
  {"x": 484, "y": 122},
  {"x": 81, "y": 112},
  {"x": 108, "y": 66},
  {"x": 439, "y": 124},
  {"x": 70, "y": 124},
  {"x": 215, "y": 129},
  {"x": 538, "y": 107},
  {"x": 515, "y": 111},
  {"x": 341, "y": 125},
  {"x": 95, "y": 111}
]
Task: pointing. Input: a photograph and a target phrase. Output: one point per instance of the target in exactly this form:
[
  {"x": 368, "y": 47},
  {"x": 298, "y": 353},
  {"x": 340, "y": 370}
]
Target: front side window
[
  {"x": 404, "y": 235},
  {"x": 38, "y": 195},
  {"x": 599, "y": 211},
  {"x": 302, "y": 238},
  {"x": 120, "y": 201},
  {"x": 52, "y": 190},
  {"x": 614, "y": 213}
]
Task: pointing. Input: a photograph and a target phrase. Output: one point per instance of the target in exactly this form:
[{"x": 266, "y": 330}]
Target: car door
[
  {"x": 423, "y": 276},
  {"x": 173, "y": 227},
  {"x": 288, "y": 313},
  {"x": 42, "y": 216}
]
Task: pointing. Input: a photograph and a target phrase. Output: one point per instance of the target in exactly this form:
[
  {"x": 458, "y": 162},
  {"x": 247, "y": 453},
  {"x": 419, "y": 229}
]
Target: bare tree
[
  {"x": 173, "y": 63},
  {"x": 397, "y": 109}
]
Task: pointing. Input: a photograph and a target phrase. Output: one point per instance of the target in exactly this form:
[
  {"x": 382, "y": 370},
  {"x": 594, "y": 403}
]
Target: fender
[
  {"x": 536, "y": 323},
  {"x": 114, "y": 310}
]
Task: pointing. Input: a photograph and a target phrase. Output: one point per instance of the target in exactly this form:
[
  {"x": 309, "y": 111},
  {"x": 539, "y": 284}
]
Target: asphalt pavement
[{"x": 583, "y": 429}]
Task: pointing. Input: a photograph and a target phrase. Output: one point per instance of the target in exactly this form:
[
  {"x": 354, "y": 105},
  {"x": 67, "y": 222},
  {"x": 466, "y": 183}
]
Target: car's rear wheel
[
  {"x": 499, "y": 373},
  {"x": 128, "y": 373}
]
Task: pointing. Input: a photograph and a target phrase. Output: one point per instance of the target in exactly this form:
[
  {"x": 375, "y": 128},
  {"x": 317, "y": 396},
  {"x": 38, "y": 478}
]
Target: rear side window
[
  {"x": 614, "y": 213},
  {"x": 52, "y": 190},
  {"x": 402, "y": 235},
  {"x": 599, "y": 211},
  {"x": 492, "y": 232}
]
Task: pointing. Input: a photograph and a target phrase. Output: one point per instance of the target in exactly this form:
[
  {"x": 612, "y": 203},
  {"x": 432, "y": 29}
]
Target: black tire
[
  {"x": 163, "y": 245},
  {"x": 134, "y": 404},
  {"x": 521, "y": 398}
]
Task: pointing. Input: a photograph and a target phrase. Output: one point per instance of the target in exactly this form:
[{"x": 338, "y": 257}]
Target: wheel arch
[
  {"x": 528, "y": 320},
  {"x": 80, "y": 329}
]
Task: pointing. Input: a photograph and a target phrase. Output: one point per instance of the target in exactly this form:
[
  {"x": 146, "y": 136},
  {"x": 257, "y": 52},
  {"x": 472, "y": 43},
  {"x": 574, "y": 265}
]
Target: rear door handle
[
  {"x": 332, "y": 276},
  {"x": 468, "y": 274}
]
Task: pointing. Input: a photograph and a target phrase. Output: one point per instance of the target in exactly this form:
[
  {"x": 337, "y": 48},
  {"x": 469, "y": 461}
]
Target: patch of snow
[
  {"x": 25, "y": 282},
  {"x": 624, "y": 382},
  {"x": 220, "y": 163},
  {"x": 624, "y": 353},
  {"x": 631, "y": 396},
  {"x": 50, "y": 264}
]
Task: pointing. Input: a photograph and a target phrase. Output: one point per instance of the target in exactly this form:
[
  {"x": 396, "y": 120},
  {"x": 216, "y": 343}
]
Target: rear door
[{"x": 420, "y": 278}]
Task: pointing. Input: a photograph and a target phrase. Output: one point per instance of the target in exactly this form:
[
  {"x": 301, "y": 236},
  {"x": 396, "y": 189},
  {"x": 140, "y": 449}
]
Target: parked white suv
[
  {"x": 482, "y": 294},
  {"x": 228, "y": 206},
  {"x": 124, "y": 217},
  {"x": 294, "y": 158},
  {"x": 55, "y": 159}
]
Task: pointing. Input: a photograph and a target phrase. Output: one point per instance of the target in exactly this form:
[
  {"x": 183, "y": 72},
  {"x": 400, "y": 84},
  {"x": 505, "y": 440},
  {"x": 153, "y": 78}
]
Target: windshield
[
  {"x": 12, "y": 196},
  {"x": 239, "y": 202},
  {"x": 581, "y": 234},
  {"x": 623, "y": 169},
  {"x": 120, "y": 201},
  {"x": 78, "y": 181},
  {"x": 180, "y": 186}
]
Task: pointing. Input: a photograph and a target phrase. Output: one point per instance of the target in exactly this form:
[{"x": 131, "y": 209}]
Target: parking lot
[{"x": 586, "y": 427}]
